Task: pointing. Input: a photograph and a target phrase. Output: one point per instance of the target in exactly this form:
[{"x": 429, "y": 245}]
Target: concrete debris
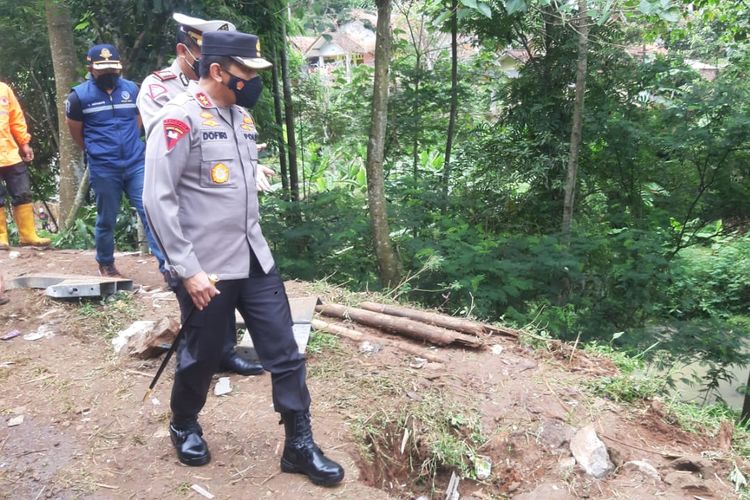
[
  {"x": 15, "y": 421},
  {"x": 43, "y": 332},
  {"x": 222, "y": 387},
  {"x": 135, "y": 328},
  {"x": 497, "y": 349},
  {"x": 368, "y": 347},
  {"x": 201, "y": 491},
  {"x": 14, "y": 254},
  {"x": 591, "y": 453},
  {"x": 149, "y": 342},
  {"x": 644, "y": 468}
]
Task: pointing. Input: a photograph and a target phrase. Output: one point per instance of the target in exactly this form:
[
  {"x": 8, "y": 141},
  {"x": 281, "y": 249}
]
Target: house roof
[
  {"x": 332, "y": 44},
  {"x": 302, "y": 43}
]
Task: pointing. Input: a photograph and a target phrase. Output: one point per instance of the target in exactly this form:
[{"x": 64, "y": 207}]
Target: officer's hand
[
  {"x": 260, "y": 147},
  {"x": 27, "y": 154},
  {"x": 261, "y": 180},
  {"x": 201, "y": 289}
]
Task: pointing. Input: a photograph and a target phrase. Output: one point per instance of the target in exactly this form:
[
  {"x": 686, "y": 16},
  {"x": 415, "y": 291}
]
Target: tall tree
[
  {"x": 575, "y": 133},
  {"x": 454, "y": 96},
  {"x": 289, "y": 115},
  {"x": 65, "y": 62},
  {"x": 390, "y": 269}
]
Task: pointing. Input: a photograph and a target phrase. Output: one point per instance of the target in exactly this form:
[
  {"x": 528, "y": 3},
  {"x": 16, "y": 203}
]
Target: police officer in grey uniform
[
  {"x": 161, "y": 86},
  {"x": 157, "y": 90},
  {"x": 202, "y": 201}
]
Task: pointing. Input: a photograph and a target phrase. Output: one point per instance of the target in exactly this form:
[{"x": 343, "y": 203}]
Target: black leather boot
[
  {"x": 302, "y": 455},
  {"x": 236, "y": 364},
  {"x": 191, "y": 448}
]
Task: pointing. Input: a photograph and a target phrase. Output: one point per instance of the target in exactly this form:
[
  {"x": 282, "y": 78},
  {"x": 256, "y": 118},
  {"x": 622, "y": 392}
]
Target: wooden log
[
  {"x": 402, "y": 326},
  {"x": 357, "y": 336},
  {"x": 442, "y": 320}
]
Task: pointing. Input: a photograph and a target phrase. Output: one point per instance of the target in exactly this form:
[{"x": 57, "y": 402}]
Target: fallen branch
[
  {"x": 359, "y": 337},
  {"x": 400, "y": 325},
  {"x": 442, "y": 320}
]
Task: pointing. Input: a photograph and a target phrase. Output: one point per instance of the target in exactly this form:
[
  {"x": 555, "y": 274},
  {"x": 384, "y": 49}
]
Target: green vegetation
[
  {"x": 110, "y": 315},
  {"x": 658, "y": 248}
]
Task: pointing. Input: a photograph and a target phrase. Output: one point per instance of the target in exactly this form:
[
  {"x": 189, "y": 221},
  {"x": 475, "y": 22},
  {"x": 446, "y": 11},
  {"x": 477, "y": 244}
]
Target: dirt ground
[{"x": 86, "y": 434}]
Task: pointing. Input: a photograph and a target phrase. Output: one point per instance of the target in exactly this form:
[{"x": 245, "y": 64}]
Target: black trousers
[
  {"x": 15, "y": 179},
  {"x": 263, "y": 303}
]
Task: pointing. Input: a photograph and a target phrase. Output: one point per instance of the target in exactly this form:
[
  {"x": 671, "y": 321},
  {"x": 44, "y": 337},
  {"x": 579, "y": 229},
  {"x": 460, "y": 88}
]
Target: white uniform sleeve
[{"x": 168, "y": 147}]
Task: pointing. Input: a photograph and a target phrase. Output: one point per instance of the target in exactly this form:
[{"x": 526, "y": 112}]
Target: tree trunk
[
  {"x": 575, "y": 133},
  {"x": 454, "y": 98},
  {"x": 280, "y": 125},
  {"x": 388, "y": 264},
  {"x": 289, "y": 115},
  {"x": 64, "y": 62}
]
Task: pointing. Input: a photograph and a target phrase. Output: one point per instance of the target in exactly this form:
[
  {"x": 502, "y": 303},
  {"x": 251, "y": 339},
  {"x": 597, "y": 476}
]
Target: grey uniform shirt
[
  {"x": 199, "y": 189},
  {"x": 158, "y": 89}
]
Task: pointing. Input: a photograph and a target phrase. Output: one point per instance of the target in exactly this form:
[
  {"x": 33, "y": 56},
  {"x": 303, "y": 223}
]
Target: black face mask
[
  {"x": 196, "y": 64},
  {"x": 107, "y": 81},
  {"x": 247, "y": 92}
]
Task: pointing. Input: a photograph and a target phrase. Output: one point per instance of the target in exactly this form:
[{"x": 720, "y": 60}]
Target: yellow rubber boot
[
  {"x": 3, "y": 230},
  {"x": 24, "y": 215}
]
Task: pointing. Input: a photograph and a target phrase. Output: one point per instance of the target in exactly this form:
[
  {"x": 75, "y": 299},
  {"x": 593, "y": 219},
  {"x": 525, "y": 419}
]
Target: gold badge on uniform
[
  {"x": 220, "y": 173},
  {"x": 206, "y": 114},
  {"x": 210, "y": 123},
  {"x": 105, "y": 53}
]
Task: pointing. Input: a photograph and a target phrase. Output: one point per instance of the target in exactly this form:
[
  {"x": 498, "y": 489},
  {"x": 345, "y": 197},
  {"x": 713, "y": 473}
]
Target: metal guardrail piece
[{"x": 72, "y": 286}]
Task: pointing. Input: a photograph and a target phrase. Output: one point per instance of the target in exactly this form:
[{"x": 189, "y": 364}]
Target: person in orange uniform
[{"x": 15, "y": 152}]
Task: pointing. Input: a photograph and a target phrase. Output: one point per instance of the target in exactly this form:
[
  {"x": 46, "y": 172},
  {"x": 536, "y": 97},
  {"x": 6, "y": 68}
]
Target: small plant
[
  {"x": 321, "y": 341},
  {"x": 111, "y": 314},
  {"x": 421, "y": 440}
]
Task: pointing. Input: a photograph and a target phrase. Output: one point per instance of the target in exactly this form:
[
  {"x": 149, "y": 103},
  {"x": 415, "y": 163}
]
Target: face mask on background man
[{"x": 107, "y": 81}]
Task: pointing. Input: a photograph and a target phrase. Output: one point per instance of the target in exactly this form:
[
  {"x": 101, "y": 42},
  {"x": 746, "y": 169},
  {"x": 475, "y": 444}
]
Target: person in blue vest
[{"x": 104, "y": 121}]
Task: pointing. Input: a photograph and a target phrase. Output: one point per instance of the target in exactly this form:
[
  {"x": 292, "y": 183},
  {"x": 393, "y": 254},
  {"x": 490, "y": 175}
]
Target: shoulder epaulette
[{"x": 164, "y": 75}]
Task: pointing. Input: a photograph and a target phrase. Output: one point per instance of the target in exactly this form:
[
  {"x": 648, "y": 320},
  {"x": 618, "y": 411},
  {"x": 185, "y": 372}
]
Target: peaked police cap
[{"x": 242, "y": 47}]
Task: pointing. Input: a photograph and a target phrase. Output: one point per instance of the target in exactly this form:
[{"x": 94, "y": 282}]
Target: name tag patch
[{"x": 215, "y": 136}]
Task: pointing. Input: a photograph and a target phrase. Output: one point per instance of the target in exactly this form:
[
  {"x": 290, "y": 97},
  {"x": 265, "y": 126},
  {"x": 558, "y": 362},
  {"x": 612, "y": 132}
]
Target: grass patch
[
  {"x": 707, "y": 419},
  {"x": 419, "y": 440},
  {"x": 322, "y": 341},
  {"x": 111, "y": 314}
]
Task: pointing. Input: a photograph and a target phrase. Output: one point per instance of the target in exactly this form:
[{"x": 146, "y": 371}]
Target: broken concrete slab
[
  {"x": 151, "y": 342},
  {"x": 123, "y": 336}
]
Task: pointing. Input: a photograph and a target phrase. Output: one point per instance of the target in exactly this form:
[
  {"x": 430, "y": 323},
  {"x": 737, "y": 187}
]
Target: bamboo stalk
[
  {"x": 403, "y": 326},
  {"x": 357, "y": 336}
]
